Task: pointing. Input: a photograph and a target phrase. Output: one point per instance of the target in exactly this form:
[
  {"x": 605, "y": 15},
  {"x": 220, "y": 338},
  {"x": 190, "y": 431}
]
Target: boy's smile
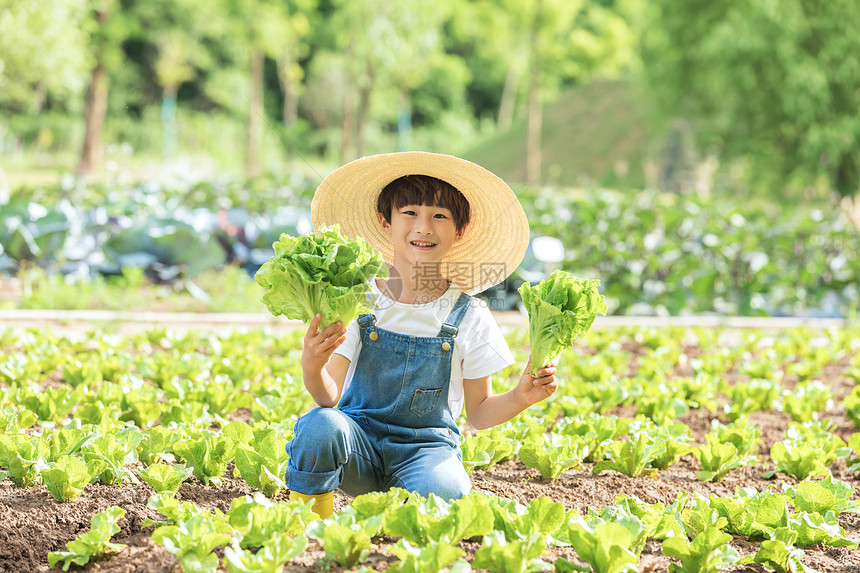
[{"x": 421, "y": 235}]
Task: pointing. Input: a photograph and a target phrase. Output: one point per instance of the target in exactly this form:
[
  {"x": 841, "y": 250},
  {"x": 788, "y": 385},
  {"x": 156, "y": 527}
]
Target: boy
[{"x": 390, "y": 387}]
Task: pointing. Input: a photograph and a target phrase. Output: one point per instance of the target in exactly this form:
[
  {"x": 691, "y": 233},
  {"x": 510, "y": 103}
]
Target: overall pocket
[{"x": 424, "y": 400}]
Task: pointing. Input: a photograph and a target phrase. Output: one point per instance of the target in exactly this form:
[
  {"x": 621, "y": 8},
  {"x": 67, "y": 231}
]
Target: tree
[
  {"x": 773, "y": 83},
  {"x": 43, "y": 52}
]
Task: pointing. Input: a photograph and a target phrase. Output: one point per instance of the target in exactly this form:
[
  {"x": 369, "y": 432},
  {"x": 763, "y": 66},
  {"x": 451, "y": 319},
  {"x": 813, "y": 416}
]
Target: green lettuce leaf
[
  {"x": 560, "y": 308},
  {"x": 322, "y": 272}
]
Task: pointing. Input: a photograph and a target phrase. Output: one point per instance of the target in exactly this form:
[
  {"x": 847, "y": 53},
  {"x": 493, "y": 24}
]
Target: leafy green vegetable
[
  {"x": 276, "y": 551},
  {"x": 607, "y": 547},
  {"x": 345, "y": 545},
  {"x": 93, "y": 543},
  {"x": 322, "y": 272},
  {"x": 553, "y": 454},
  {"x": 779, "y": 554},
  {"x": 66, "y": 478},
  {"x": 258, "y": 518},
  {"x": 422, "y": 521},
  {"x": 632, "y": 457},
  {"x": 517, "y": 556},
  {"x": 706, "y": 553},
  {"x": 164, "y": 477},
  {"x": 192, "y": 541},
  {"x": 432, "y": 557},
  {"x": 560, "y": 308}
]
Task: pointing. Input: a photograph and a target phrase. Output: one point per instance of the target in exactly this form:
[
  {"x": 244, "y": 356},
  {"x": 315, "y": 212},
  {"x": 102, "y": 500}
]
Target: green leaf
[
  {"x": 93, "y": 543},
  {"x": 163, "y": 477},
  {"x": 322, "y": 272},
  {"x": 276, "y": 551},
  {"x": 66, "y": 478},
  {"x": 560, "y": 308},
  {"x": 503, "y": 556},
  {"x": 708, "y": 552}
]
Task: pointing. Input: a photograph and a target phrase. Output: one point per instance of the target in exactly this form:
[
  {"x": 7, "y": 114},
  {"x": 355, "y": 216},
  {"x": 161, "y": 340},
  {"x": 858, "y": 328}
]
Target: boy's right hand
[{"x": 319, "y": 346}]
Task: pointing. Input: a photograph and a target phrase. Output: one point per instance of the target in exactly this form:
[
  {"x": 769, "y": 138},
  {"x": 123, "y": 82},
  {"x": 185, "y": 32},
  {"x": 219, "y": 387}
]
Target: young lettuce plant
[
  {"x": 605, "y": 546},
  {"x": 516, "y": 556},
  {"x": 633, "y": 457},
  {"x": 437, "y": 556},
  {"x": 192, "y": 541},
  {"x": 273, "y": 555},
  {"x": 66, "y": 478},
  {"x": 708, "y": 552},
  {"x": 164, "y": 477},
  {"x": 560, "y": 308},
  {"x": 551, "y": 455},
  {"x": 93, "y": 543},
  {"x": 322, "y": 272}
]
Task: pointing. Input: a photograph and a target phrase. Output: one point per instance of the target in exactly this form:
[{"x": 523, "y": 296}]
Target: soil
[{"x": 32, "y": 523}]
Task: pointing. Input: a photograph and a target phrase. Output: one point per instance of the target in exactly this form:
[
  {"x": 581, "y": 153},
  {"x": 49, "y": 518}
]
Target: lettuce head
[
  {"x": 560, "y": 308},
  {"x": 322, "y": 272}
]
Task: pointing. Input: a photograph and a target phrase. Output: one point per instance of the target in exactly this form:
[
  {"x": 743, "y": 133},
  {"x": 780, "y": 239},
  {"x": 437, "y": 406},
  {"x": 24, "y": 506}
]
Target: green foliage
[
  {"x": 560, "y": 308},
  {"x": 93, "y": 543},
  {"x": 632, "y": 457},
  {"x": 422, "y": 522},
  {"x": 192, "y": 540},
  {"x": 510, "y": 556},
  {"x": 342, "y": 544},
  {"x": 66, "y": 478},
  {"x": 743, "y": 75},
  {"x": 486, "y": 449},
  {"x": 708, "y": 552},
  {"x": 433, "y": 557},
  {"x": 553, "y": 454},
  {"x": 718, "y": 458},
  {"x": 207, "y": 454},
  {"x": 164, "y": 477},
  {"x": 259, "y": 519},
  {"x": 275, "y": 552},
  {"x": 606, "y": 547},
  {"x": 319, "y": 273}
]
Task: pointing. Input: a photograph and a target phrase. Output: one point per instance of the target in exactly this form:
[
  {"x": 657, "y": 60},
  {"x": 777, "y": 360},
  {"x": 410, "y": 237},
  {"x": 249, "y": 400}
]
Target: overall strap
[
  {"x": 366, "y": 319},
  {"x": 452, "y": 323}
]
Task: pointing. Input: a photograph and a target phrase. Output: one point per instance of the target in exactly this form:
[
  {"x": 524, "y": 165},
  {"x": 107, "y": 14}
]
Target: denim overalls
[{"x": 393, "y": 426}]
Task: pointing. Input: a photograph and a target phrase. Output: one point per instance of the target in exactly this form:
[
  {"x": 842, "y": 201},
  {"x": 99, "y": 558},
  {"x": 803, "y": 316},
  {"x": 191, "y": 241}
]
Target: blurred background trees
[{"x": 686, "y": 95}]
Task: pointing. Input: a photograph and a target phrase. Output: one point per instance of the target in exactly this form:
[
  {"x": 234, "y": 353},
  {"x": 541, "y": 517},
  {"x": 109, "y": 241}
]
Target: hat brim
[{"x": 494, "y": 241}]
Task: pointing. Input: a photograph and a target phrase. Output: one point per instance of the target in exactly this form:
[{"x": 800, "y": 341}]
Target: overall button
[
  {"x": 374, "y": 335},
  {"x": 446, "y": 347}
]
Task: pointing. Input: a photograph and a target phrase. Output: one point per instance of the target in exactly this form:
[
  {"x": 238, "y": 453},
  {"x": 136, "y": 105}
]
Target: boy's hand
[
  {"x": 319, "y": 346},
  {"x": 534, "y": 389}
]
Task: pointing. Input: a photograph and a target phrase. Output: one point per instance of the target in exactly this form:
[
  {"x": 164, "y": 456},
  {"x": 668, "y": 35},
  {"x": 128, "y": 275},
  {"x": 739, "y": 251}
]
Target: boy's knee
[{"x": 321, "y": 433}]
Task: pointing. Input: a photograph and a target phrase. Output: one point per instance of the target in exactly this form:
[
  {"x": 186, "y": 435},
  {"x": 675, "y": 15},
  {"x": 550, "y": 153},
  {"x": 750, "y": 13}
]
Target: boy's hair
[{"x": 424, "y": 190}]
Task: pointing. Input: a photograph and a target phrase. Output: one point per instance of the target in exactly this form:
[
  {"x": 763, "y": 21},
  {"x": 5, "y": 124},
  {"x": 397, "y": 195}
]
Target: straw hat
[{"x": 493, "y": 243}]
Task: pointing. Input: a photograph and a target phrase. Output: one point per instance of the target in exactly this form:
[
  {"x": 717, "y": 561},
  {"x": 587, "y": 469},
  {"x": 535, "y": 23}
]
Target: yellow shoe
[{"x": 323, "y": 502}]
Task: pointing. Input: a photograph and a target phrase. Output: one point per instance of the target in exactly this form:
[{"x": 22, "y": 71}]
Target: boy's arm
[
  {"x": 323, "y": 372},
  {"x": 485, "y": 409}
]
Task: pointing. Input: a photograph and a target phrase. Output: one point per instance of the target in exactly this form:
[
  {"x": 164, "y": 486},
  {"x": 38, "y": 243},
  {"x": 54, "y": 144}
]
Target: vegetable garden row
[
  {"x": 666, "y": 449},
  {"x": 654, "y": 253}
]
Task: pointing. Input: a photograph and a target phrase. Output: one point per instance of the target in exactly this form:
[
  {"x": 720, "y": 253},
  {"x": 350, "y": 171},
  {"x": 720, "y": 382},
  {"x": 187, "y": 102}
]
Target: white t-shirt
[{"x": 480, "y": 348}]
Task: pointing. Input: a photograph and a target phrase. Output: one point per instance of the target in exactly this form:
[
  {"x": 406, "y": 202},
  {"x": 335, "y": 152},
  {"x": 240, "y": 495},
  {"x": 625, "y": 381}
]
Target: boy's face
[{"x": 420, "y": 233}]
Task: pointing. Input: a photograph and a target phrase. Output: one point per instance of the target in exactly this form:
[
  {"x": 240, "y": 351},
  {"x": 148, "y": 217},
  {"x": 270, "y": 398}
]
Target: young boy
[{"x": 391, "y": 386}]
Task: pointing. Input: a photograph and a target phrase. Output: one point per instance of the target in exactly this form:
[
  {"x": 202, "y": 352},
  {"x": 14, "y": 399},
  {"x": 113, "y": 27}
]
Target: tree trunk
[
  {"x": 290, "y": 102},
  {"x": 363, "y": 114},
  {"x": 94, "y": 119},
  {"x": 509, "y": 99},
  {"x": 535, "y": 114},
  {"x": 96, "y": 108},
  {"x": 255, "y": 116}
]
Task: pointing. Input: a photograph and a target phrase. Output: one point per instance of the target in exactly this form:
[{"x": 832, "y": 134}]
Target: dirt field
[{"x": 32, "y": 523}]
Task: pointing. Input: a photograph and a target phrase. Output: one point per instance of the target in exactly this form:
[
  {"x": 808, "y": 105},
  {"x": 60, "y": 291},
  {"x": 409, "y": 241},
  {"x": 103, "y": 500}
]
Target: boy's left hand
[{"x": 539, "y": 387}]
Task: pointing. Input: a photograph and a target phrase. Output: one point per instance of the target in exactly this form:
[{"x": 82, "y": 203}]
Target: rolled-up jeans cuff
[{"x": 313, "y": 483}]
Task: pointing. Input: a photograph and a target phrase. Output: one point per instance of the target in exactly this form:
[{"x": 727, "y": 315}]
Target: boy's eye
[{"x": 440, "y": 216}]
